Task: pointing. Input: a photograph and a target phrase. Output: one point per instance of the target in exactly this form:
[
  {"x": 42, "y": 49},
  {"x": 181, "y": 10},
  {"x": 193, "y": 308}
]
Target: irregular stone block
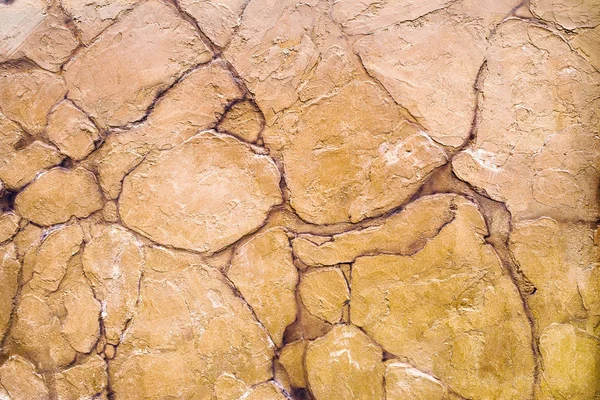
[
  {"x": 99, "y": 88},
  {"x": 220, "y": 199}
]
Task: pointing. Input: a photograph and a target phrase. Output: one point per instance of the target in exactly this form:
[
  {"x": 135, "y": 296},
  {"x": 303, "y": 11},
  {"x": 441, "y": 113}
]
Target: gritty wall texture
[{"x": 299, "y": 199}]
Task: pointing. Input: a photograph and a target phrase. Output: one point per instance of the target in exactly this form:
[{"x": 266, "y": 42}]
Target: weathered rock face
[
  {"x": 455, "y": 332},
  {"x": 225, "y": 193},
  {"x": 314, "y": 200},
  {"x": 121, "y": 92}
]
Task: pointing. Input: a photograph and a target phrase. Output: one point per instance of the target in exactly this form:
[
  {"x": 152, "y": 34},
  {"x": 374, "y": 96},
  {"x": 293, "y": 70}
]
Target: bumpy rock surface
[
  {"x": 225, "y": 193},
  {"x": 301, "y": 200}
]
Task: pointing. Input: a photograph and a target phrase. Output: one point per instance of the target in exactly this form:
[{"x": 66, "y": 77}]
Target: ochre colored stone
[
  {"x": 571, "y": 363},
  {"x": 403, "y": 381},
  {"x": 50, "y": 43},
  {"x": 9, "y": 275},
  {"x": 195, "y": 103},
  {"x": 25, "y": 164},
  {"x": 339, "y": 168},
  {"x": 202, "y": 331},
  {"x": 570, "y": 14},
  {"x": 265, "y": 391},
  {"x": 560, "y": 261},
  {"x": 292, "y": 359},
  {"x": 59, "y": 194},
  {"x": 423, "y": 77},
  {"x": 93, "y": 16},
  {"x": 21, "y": 381},
  {"x": 451, "y": 309},
  {"x": 537, "y": 144},
  {"x": 263, "y": 271},
  {"x": 17, "y": 23},
  {"x": 9, "y": 225},
  {"x": 243, "y": 120},
  {"x": 217, "y": 201},
  {"x": 27, "y": 96},
  {"x": 113, "y": 262},
  {"x": 71, "y": 131},
  {"x": 217, "y": 18},
  {"x": 87, "y": 380},
  {"x": 345, "y": 364},
  {"x": 402, "y": 233},
  {"x": 99, "y": 87},
  {"x": 324, "y": 292}
]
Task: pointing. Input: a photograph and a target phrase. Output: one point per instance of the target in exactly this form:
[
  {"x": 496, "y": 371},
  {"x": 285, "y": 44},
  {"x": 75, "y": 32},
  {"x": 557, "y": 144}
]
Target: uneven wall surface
[{"x": 299, "y": 199}]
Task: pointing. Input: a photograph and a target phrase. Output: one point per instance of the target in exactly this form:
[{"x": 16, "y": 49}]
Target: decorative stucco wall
[{"x": 299, "y": 199}]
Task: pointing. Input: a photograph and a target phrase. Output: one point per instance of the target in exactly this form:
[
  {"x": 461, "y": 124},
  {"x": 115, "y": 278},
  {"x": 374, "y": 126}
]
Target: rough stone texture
[
  {"x": 58, "y": 195},
  {"x": 301, "y": 200},
  {"x": 20, "y": 381},
  {"x": 9, "y": 276},
  {"x": 93, "y": 16},
  {"x": 403, "y": 381},
  {"x": 454, "y": 333},
  {"x": 71, "y": 131},
  {"x": 205, "y": 331},
  {"x": 113, "y": 262},
  {"x": 356, "y": 360},
  {"x": 263, "y": 271},
  {"x": 28, "y": 95},
  {"x": 22, "y": 166},
  {"x": 243, "y": 120},
  {"x": 87, "y": 380},
  {"x": 538, "y": 156},
  {"x": 194, "y": 103},
  {"x": 120, "y": 92},
  {"x": 218, "y": 200},
  {"x": 216, "y": 18},
  {"x": 37, "y": 32},
  {"x": 324, "y": 292}
]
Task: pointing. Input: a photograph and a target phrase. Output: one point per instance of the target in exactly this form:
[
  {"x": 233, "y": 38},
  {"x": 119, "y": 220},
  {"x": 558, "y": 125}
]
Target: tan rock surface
[
  {"x": 113, "y": 262},
  {"x": 265, "y": 391},
  {"x": 217, "y": 18},
  {"x": 568, "y": 13},
  {"x": 291, "y": 358},
  {"x": 324, "y": 292},
  {"x": 100, "y": 89},
  {"x": 93, "y": 16},
  {"x": 538, "y": 156},
  {"x": 56, "y": 304},
  {"x": 17, "y": 23},
  {"x": 405, "y": 382},
  {"x": 20, "y": 380},
  {"x": 561, "y": 261},
  {"x": 243, "y": 120},
  {"x": 402, "y": 233},
  {"x": 302, "y": 200},
  {"x": 9, "y": 280},
  {"x": 195, "y": 103},
  {"x": 71, "y": 131},
  {"x": 356, "y": 360},
  {"x": 27, "y": 96},
  {"x": 571, "y": 363},
  {"x": 59, "y": 194},
  {"x": 25, "y": 164},
  {"x": 220, "y": 199},
  {"x": 263, "y": 271},
  {"x": 9, "y": 225},
  {"x": 87, "y": 380},
  {"x": 455, "y": 333},
  {"x": 423, "y": 77},
  {"x": 203, "y": 332}
]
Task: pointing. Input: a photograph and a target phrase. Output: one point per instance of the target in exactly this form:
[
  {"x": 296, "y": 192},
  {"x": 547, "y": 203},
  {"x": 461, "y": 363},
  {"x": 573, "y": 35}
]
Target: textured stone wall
[{"x": 299, "y": 199}]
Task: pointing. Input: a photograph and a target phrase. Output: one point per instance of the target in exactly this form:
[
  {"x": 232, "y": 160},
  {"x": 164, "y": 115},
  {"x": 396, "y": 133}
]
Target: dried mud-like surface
[{"x": 282, "y": 199}]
